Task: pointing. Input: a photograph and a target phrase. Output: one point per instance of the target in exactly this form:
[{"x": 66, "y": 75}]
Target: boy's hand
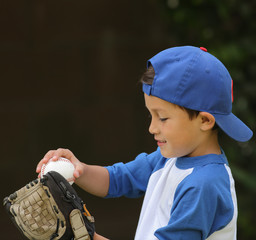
[{"x": 55, "y": 155}]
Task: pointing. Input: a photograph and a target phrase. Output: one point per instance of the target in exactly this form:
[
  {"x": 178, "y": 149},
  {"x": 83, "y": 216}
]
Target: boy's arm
[
  {"x": 93, "y": 179},
  {"x": 131, "y": 179}
]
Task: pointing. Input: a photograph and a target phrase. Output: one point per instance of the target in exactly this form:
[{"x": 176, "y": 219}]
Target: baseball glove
[{"x": 50, "y": 209}]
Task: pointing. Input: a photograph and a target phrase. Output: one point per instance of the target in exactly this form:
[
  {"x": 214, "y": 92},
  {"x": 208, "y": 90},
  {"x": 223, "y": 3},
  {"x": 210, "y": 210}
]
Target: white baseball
[{"x": 63, "y": 166}]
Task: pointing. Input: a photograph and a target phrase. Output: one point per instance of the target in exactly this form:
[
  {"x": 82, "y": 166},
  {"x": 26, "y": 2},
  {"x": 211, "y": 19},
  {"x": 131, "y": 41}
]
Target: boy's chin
[
  {"x": 169, "y": 154},
  {"x": 166, "y": 154}
]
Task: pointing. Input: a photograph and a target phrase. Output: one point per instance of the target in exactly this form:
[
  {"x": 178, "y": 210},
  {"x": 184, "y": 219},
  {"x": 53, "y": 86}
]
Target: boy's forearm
[{"x": 95, "y": 180}]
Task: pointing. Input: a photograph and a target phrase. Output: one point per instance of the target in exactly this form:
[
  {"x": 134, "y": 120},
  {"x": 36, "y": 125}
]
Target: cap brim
[{"x": 233, "y": 127}]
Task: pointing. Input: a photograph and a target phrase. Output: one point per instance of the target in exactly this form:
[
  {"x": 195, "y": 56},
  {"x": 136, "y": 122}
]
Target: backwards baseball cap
[{"x": 193, "y": 78}]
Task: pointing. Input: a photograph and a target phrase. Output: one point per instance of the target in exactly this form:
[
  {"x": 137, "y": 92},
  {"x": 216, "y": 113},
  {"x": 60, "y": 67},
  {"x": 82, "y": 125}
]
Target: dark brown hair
[{"x": 148, "y": 77}]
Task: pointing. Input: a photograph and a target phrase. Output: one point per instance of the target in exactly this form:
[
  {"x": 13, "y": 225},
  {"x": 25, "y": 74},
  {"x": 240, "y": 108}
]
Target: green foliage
[{"x": 227, "y": 29}]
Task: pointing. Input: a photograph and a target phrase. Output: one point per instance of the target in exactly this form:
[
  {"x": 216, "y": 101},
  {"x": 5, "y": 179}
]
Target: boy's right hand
[{"x": 54, "y": 155}]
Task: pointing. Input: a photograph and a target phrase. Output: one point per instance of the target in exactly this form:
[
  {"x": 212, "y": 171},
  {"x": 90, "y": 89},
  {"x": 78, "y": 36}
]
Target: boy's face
[{"x": 175, "y": 133}]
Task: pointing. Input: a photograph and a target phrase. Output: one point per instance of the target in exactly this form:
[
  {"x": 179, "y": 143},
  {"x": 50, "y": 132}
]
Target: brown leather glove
[{"x": 48, "y": 209}]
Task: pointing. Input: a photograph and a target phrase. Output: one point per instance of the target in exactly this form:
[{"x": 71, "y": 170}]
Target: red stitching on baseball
[
  {"x": 64, "y": 160},
  {"x": 43, "y": 169}
]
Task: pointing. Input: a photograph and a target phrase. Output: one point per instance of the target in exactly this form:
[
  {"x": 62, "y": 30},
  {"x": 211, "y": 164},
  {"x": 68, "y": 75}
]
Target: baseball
[{"x": 63, "y": 166}]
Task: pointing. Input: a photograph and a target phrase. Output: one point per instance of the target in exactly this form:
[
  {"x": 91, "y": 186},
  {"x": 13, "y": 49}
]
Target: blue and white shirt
[{"x": 186, "y": 198}]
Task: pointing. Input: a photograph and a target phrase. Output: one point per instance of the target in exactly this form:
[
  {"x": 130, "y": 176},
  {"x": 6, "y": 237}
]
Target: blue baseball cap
[{"x": 193, "y": 78}]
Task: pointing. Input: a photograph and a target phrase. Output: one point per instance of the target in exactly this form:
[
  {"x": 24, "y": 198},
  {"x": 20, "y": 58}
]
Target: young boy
[{"x": 188, "y": 186}]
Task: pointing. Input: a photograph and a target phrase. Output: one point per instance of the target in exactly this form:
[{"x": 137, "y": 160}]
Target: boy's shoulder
[
  {"x": 154, "y": 159},
  {"x": 209, "y": 171}
]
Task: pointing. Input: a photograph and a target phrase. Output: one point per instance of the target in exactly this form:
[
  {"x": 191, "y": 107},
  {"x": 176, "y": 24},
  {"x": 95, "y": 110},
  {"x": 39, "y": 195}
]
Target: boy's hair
[{"x": 148, "y": 77}]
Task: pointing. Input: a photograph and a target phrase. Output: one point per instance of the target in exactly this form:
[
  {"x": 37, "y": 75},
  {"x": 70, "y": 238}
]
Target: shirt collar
[{"x": 190, "y": 162}]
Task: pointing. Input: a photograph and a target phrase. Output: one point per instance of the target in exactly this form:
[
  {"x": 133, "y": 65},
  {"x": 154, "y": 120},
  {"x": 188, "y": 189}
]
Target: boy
[{"x": 188, "y": 186}]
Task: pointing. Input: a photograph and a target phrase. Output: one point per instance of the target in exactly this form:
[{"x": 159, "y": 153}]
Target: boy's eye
[{"x": 163, "y": 119}]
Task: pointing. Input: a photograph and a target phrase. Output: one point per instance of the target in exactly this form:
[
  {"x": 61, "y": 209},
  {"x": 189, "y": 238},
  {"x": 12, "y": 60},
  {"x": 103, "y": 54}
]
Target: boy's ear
[{"x": 207, "y": 121}]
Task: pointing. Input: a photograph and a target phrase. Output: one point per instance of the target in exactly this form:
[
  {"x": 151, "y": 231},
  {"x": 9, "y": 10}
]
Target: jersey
[{"x": 186, "y": 198}]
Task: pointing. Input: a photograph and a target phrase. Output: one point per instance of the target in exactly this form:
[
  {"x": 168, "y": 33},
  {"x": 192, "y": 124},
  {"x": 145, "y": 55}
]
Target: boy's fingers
[
  {"x": 62, "y": 152},
  {"x": 46, "y": 158},
  {"x": 76, "y": 174},
  {"x": 54, "y": 155},
  {"x": 78, "y": 171},
  {"x": 49, "y": 154},
  {"x": 40, "y": 164}
]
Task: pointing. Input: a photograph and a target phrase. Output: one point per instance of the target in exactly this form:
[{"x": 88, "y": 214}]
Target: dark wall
[{"x": 69, "y": 78}]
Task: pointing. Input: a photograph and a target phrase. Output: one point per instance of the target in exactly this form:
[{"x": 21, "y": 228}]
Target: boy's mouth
[{"x": 160, "y": 142}]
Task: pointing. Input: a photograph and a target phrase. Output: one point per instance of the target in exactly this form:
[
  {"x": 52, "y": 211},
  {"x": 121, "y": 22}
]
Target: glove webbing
[{"x": 32, "y": 212}]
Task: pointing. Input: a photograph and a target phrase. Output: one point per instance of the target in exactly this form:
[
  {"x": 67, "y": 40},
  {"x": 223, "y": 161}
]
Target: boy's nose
[{"x": 153, "y": 129}]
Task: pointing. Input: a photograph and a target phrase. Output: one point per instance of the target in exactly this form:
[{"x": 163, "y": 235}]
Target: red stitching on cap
[{"x": 203, "y": 48}]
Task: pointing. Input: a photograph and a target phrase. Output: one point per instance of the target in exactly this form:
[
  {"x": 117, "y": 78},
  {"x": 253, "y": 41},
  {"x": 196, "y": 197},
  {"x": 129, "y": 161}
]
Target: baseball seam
[
  {"x": 43, "y": 169},
  {"x": 72, "y": 179}
]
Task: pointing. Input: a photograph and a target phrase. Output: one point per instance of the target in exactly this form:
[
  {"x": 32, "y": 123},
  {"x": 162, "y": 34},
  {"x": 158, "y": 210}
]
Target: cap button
[{"x": 203, "y": 48}]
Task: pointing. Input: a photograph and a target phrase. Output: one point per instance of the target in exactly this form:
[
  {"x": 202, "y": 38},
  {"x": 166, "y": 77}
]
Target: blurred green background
[{"x": 69, "y": 78}]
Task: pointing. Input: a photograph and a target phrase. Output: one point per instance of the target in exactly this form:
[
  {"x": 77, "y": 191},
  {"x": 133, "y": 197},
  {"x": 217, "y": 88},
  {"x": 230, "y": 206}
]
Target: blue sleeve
[
  {"x": 202, "y": 205},
  {"x": 131, "y": 179}
]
